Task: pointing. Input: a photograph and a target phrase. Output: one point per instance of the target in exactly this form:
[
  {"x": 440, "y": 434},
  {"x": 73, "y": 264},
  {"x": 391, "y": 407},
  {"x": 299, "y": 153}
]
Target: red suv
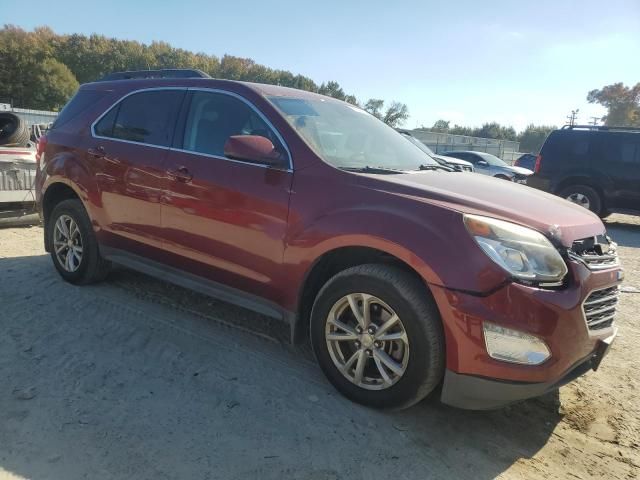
[{"x": 406, "y": 276}]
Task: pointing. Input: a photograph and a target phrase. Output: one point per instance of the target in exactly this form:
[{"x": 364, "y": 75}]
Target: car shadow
[{"x": 117, "y": 381}]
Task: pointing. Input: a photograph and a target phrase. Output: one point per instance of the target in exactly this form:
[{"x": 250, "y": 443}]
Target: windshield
[
  {"x": 491, "y": 159},
  {"x": 348, "y": 137},
  {"x": 418, "y": 144}
]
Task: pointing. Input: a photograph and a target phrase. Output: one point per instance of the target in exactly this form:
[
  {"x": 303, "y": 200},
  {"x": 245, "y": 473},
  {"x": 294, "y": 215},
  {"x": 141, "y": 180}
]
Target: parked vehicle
[
  {"x": 528, "y": 161},
  {"x": 17, "y": 181},
  {"x": 595, "y": 167},
  {"x": 454, "y": 163},
  {"x": 305, "y": 208},
  {"x": 488, "y": 164}
]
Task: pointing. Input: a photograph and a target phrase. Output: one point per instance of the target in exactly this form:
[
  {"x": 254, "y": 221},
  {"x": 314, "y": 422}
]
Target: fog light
[{"x": 513, "y": 346}]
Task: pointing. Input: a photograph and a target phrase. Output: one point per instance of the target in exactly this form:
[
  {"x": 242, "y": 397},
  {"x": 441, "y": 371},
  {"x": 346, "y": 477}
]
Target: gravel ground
[{"x": 134, "y": 378}]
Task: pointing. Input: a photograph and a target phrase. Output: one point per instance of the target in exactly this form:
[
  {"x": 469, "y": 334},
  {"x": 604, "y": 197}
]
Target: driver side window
[{"x": 214, "y": 117}]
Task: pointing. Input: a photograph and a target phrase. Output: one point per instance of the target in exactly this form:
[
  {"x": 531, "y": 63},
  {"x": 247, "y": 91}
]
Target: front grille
[
  {"x": 600, "y": 308},
  {"x": 597, "y": 253}
]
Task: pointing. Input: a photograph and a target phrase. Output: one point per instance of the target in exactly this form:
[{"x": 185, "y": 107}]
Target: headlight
[{"x": 526, "y": 254}]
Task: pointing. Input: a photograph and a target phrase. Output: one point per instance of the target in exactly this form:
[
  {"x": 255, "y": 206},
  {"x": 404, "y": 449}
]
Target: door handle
[
  {"x": 181, "y": 174},
  {"x": 97, "y": 152}
]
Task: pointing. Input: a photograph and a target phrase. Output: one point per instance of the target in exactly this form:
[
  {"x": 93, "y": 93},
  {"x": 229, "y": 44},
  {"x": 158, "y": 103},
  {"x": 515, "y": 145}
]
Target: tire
[
  {"x": 420, "y": 321},
  {"x": 13, "y": 130},
  {"x": 583, "y": 195},
  {"x": 90, "y": 267}
]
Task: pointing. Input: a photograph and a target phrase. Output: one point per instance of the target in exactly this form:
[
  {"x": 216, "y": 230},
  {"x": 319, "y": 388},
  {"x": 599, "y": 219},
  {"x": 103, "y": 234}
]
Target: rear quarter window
[{"x": 80, "y": 102}]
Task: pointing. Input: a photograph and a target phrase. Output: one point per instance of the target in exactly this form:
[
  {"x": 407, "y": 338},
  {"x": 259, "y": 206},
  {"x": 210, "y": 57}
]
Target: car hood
[
  {"x": 519, "y": 170},
  {"x": 455, "y": 161},
  {"x": 560, "y": 220}
]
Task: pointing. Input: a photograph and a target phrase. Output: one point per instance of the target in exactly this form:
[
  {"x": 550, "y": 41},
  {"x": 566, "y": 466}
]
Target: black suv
[{"x": 596, "y": 167}]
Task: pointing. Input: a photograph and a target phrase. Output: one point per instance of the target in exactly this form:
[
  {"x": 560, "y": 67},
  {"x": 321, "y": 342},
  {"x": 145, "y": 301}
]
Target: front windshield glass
[
  {"x": 492, "y": 159},
  {"x": 348, "y": 137},
  {"x": 419, "y": 144}
]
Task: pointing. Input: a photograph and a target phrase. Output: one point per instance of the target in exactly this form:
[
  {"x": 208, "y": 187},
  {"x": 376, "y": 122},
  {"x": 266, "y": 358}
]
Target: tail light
[
  {"x": 536, "y": 169},
  {"x": 42, "y": 144}
]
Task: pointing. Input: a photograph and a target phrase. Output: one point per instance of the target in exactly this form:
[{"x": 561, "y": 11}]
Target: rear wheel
[
  {"x": 377, "y": 335},
  {"x": 74, "y": 248},
  {"x": 584, "y": 196}
]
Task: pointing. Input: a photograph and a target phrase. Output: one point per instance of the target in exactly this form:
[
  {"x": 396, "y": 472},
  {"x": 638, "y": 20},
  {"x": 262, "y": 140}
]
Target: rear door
[
  {"x": 622, "y": 164},
  {"x": 225, "y": 219},
  {"x": 129, "y": 145}
]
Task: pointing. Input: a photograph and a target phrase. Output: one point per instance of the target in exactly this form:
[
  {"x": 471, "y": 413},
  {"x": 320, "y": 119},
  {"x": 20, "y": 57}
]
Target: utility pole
[
  {"x": 573, "y": 116},
  {"x": 594, "y": 121}
]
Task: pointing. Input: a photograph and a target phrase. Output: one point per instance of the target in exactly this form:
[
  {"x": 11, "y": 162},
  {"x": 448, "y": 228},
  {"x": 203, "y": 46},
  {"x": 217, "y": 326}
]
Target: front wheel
[{"x": 378, "y": 337}]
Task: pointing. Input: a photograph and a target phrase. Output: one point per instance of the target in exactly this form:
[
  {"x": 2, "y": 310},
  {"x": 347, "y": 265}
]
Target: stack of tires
[{"x": 13, "y": 130}]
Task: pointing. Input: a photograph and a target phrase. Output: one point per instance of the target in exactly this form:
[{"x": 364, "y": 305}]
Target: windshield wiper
[
  {"x": 374, "y": 170},
  {"x": 430, "y": 166}
]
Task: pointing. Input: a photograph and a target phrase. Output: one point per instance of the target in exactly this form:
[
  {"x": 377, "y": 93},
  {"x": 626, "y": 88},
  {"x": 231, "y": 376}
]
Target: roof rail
[
  {"x": 164, "y": 73},
  {"x": 600, "y": 127}
]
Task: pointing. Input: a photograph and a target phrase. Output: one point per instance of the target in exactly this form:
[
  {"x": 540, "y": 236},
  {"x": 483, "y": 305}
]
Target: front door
[{"x": 225, "y": 219}]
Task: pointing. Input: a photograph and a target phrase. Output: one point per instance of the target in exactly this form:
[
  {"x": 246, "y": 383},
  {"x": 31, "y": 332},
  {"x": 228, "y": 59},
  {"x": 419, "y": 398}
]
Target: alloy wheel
[
  {"x": 367, "y": 341},
  {"x": 67, "y": 243},
  {"x": 579, "y": 199}
]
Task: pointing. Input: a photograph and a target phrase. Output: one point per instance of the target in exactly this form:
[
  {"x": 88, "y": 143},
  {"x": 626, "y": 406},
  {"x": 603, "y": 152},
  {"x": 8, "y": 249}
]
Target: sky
[{"x": 470, "y": 62}]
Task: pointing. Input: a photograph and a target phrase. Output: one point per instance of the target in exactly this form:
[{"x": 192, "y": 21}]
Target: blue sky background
[{"x": 470, "y": 62}]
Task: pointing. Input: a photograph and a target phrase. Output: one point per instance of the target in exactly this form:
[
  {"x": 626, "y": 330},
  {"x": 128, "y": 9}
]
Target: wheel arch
[
  {"x": 586, "y": 181},
  {"x": 55, "y": 193},
  {"x": 330, "y": 263}
]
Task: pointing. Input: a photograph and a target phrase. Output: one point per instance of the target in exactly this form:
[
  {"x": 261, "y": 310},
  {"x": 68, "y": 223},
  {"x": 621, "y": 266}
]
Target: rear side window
[
  {"x": 145, "y": 117},
  {"x": 568, "y": 146},
  {"x": 80, "y": 102},
  {"x": 623, "y": 149}
]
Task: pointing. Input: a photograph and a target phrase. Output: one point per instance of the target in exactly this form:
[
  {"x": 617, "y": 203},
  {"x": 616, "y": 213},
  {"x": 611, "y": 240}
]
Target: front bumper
[
  {"x": 479, "y": 393},
  {"x": 475, "y": 380}
]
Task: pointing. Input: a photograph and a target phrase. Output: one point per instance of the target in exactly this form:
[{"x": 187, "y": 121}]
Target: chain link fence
[{"x": 442, "y": 143}]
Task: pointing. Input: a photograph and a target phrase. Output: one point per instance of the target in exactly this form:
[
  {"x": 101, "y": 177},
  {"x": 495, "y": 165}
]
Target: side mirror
[
  {"x": 483, "y": 163},
  {"x": 252, "y": 148}
]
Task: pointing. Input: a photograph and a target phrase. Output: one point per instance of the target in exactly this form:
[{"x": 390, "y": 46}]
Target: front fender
[{"x": 431, "y": 239}]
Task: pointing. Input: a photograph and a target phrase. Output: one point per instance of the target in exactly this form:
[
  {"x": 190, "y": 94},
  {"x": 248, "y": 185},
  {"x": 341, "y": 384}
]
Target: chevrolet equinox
[{"x": 408, "y": 278}]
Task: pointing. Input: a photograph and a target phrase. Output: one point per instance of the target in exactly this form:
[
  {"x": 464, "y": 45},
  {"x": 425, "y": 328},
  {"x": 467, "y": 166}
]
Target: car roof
[{"x": 260, "y": 88}]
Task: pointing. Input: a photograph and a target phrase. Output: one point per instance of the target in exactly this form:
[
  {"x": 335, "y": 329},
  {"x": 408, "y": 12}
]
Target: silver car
[
  {"x": 488, "y": 164},
  {"x": 454, "y": 163}
]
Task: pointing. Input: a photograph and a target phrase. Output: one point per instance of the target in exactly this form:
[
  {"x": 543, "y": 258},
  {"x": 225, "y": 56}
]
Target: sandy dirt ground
[{"x": 137, "y": 379}]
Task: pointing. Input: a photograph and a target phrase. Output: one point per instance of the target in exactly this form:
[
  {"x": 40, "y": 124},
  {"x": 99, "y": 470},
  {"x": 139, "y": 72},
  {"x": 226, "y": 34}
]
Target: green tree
[
  {"x": 29, "y": 75},
  {"x": 532, "y": 138},
  {"x": 460, "y": 130},
  {"x": 41, "y": 69},
  {"x": 374, "y": 107},
  {"x": 496, "y": 131},
  {"x": 622, "y": 104},
  {"x": 441, "y": 126},
  {"x": 396, "y": 114},
  {"x": 332, "y": 89}
]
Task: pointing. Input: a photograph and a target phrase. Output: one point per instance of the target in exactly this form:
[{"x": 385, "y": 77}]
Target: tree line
[
  {"x": 623, "y": 110},
  {"x": 40, "y": 69},
  {"x": 531, "y": 138}
]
